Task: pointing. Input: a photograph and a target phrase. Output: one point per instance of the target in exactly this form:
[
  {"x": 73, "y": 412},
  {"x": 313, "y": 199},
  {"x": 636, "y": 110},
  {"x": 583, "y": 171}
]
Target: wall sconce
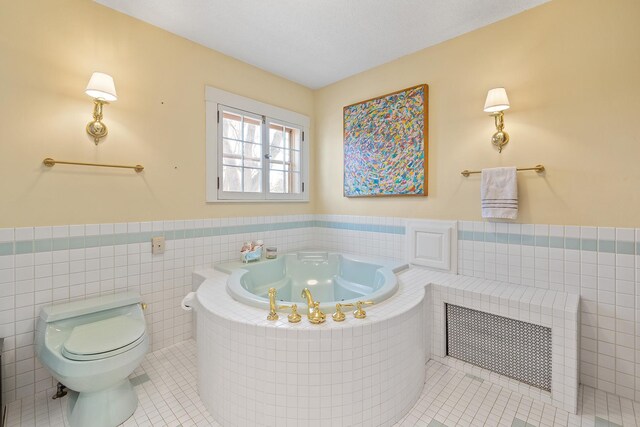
[
  {"x": 102, "y": 89},
  {"x": 495, "y": 104}
]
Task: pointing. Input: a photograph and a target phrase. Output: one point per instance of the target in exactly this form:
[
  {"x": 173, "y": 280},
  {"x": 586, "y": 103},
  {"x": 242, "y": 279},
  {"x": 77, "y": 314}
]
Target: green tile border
[
  {"x": 625, "y": 248},
  {"x": 556, "y": 242},
  {"x": 43, "y": 245},
  {"x": 24, "y": 247},
  {"x": 572, "y": 243},
  {"x": 608, "y": 246},
  {"x": 95, "y": 241},
  {"x": 6, "y": 248},
  {"x": 81, "y": 242},
  {"x": 592, "y": 245},
  {"x": 589, "y": 245}
]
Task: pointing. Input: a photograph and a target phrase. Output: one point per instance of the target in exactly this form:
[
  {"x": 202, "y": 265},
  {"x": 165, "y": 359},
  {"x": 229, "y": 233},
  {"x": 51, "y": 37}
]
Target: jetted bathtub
[
  {"x": 359, "y": 372},
  {"x": 331, "y": 277}
]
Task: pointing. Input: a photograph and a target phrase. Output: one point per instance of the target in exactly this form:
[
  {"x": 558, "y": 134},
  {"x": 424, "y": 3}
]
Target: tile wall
[
  {"x": 42, "y": 265},
  {"x": 601, "y": 264},
  {"x": 361, "y": 235},
  {"x": 45, "y": 264},
  {"x": 598, "y": 263}
]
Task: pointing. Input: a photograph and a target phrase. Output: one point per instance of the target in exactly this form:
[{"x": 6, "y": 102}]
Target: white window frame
[{"x": 216, "y": 98}]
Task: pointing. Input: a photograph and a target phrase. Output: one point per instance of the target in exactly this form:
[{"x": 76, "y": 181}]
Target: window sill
[{"x": 256, "y": 201}]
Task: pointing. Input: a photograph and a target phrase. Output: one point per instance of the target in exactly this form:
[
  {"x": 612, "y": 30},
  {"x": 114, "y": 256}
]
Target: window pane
[
  {"x": 253, "y": 151},
  {"x": 231, "y": 125},
  {"x": 241, "y": 152},
  {"x": 252, "y": 130},
  {"x": 284, "y": 182},
  {"x": 276, "y": 135},
  {"x": 277, "y": 156},
  {"x": 231, "y": 147},
  {"x": 252, "y": 180},
  {"x": 284, "y": 160},
  {"x": 231, "y": 178},
  {"x": 276, "y": 181}
]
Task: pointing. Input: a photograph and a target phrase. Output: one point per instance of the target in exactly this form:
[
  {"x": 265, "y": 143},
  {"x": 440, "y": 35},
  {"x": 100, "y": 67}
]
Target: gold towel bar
[
  {"x": 537, "y": 168},
  {"x": 50, "y": 162}
]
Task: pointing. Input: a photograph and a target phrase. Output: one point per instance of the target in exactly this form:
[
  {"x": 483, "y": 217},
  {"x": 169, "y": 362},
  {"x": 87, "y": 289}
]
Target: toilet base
[{"x": 104, "y": 408}]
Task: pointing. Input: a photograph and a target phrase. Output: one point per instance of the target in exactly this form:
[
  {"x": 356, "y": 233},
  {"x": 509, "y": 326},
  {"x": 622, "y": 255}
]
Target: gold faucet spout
[
  {"x": 273, "y": 315},
  {"x": 306, "y": 294},
  {"x": 314, "y": 314}
]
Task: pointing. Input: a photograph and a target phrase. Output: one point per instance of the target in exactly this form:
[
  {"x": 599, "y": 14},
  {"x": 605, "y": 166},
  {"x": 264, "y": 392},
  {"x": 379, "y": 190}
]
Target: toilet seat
[{"x": 104, "y": 338}]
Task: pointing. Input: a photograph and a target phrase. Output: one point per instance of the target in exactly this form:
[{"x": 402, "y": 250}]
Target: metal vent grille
[{"x": 509, "y": 347}]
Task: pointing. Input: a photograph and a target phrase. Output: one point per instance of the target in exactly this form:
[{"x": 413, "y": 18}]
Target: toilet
[{"x": 92, "y": 346}]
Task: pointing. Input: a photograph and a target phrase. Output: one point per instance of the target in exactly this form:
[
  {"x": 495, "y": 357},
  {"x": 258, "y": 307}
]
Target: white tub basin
[{"x": 331, "y": 277}]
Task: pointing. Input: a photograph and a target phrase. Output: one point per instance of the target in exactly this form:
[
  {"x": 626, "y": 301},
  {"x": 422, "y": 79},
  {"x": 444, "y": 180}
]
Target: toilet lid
[{"x": 103, "y": 336}]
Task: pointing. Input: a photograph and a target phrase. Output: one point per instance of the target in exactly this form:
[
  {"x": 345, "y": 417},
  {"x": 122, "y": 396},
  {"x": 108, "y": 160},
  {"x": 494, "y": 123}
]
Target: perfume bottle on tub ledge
[{"x": 251, "y": 251}]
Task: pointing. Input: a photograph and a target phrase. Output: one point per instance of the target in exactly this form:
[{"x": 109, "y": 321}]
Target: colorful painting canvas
[{"x": 385, "y": 145}]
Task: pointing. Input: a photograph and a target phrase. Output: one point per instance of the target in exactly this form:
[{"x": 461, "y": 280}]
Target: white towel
[{"x": 499, "y": 193}]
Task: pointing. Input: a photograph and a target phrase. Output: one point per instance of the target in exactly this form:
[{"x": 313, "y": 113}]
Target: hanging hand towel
[{"x": 499, "y": 193}]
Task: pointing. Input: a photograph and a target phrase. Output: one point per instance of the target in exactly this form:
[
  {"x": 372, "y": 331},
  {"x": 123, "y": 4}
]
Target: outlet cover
[{"x": 157, "y": 245}]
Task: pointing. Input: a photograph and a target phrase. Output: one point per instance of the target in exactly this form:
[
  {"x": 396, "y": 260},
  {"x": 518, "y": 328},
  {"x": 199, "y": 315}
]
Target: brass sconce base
[
  {"x": 500, "y": 138},
  {"x": 96, "y": 128}
]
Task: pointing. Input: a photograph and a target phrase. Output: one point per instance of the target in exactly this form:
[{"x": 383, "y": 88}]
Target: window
[{"x": 254, "y": 151}]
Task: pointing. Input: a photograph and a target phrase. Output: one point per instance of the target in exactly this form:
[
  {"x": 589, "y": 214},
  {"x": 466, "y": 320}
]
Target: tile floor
[{"x": 166, "y": 386}]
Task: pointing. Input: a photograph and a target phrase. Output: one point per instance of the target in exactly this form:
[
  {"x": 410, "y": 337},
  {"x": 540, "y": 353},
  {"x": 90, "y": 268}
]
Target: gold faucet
[
  {"x": 314, "y": 314},
  {"x": 294, "y": 317},
  {"x": 273, "y": 315},
  {"x": 339, "y": 315},
  {"x": 360, "y": 313}
]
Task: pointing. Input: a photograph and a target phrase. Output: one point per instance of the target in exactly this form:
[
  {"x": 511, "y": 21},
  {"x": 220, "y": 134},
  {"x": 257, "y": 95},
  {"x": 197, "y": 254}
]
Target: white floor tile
[{"x": 169, "y": 397}]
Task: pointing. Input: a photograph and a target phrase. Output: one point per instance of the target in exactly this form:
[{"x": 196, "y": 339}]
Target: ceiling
[{"x": 318, "y": 42}]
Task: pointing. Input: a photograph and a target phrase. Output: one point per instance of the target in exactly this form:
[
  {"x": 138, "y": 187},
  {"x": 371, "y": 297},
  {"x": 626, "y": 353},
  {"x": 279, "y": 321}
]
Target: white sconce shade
[
  {"x": 101, "y": 86},
  {"x": 496, "y": 100}
]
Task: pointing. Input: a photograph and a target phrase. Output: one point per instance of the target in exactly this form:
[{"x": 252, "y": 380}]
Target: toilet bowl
[{"x": 92, "y": 346}]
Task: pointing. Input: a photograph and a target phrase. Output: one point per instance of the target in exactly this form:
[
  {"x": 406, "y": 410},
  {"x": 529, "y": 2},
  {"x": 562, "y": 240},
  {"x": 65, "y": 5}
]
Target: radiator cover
[{"x": 509, "y": 347}]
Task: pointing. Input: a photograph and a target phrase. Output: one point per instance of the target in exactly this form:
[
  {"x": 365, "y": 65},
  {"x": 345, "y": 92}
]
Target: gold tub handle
[
  {"x": 360, "y": 313},
  {"x": 339, "y": 315}
]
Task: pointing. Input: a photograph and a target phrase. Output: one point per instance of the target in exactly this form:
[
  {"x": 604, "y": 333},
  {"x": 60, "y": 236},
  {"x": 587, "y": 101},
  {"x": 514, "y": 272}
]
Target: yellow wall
[
  {"x": 48, "y": 50},
  {"x": 571, "y": 68},
  {"x": 572, "y": 72}
]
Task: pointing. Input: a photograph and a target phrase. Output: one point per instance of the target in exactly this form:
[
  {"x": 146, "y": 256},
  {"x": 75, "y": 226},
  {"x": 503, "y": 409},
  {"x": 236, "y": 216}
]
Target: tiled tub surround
[
  {"x": 253, "y": 371},
  {"x": 601, "y": 264},
  {"x": 302, "y": 369},
  {"x": 42, "y": 265}
]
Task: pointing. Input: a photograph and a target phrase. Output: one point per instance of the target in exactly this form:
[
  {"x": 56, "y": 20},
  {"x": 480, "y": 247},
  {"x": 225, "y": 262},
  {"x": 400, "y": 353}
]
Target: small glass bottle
[{"x": 272, "y": 252}]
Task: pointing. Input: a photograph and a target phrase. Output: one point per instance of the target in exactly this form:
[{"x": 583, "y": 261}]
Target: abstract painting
[{"x": 385, "y": 145}]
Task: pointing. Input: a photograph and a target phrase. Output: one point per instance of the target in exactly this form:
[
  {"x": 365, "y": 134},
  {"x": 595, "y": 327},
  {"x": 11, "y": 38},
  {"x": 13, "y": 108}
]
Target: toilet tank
[{"x": 67, "y": 310}]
